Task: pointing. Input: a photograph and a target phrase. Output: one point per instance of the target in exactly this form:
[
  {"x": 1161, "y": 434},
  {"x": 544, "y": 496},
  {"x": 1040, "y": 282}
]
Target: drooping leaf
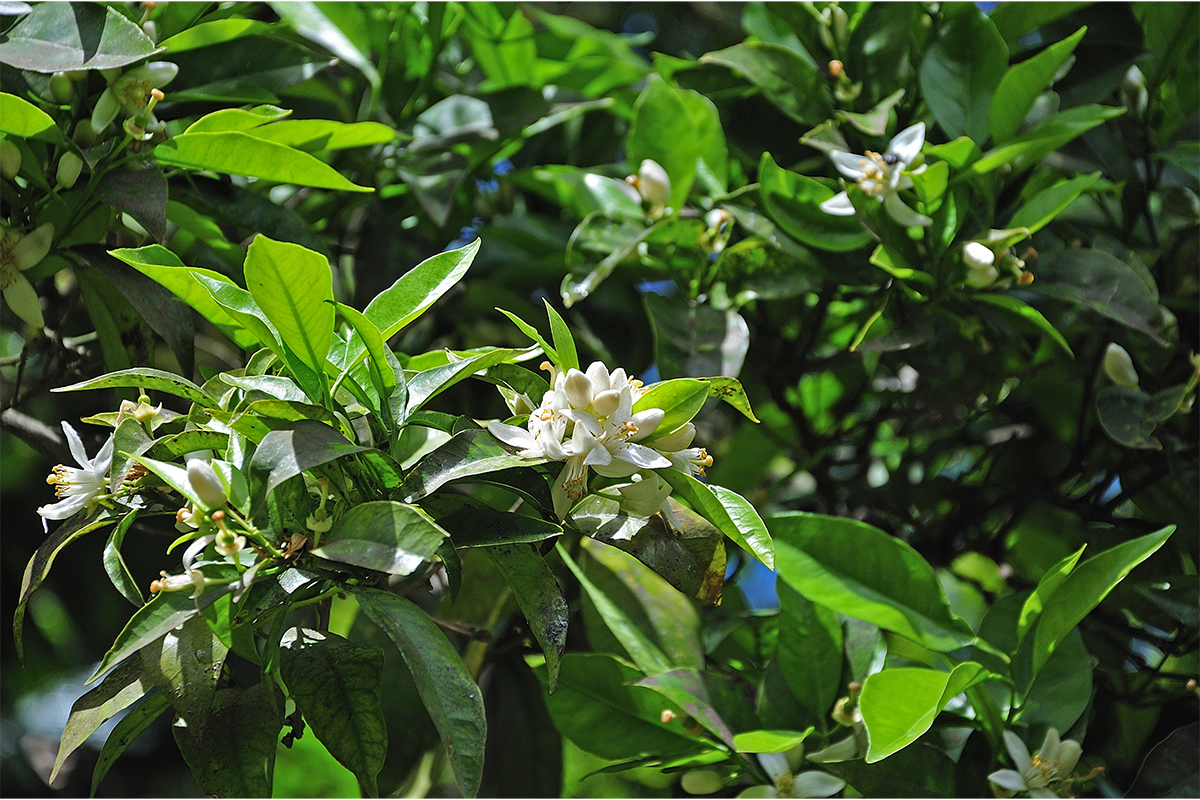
[
  {"x": 236, "y": 755},
  {"x": 184, "y": 664},
  {"x": 338, "y": 686},
  {"x": 131, "y": 726},
  {"x": 687, "y": 689},
  {"x": 451, "y": 697},
  {"x": 728, "y": 510},
  {"x": 147, "y": 378},
  {"x": 123, "y": 687},
  {"x": 114, "y": 563},
  {"x": 383, "y": 535},
  {"x": 540, "y": 598}
]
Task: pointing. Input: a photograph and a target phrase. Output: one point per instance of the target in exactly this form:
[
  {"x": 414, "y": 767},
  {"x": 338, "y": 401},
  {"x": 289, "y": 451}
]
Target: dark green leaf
[
  {"x": 809, "y": 651},
  {"x": 475, "y": 524},
  {"x": 961, "y": 71},
  {"x": 114, "y": 564},
  {"x": 69, "y": 36},
  {"x": 383, "y": 535},
  {"x": 686, "y": 688},
  {"x": 788, "y": 81},
  {"x": 296, "y": 447},
  {"x": 184, "y": 665},
  {"x": 793, "y": 202},
  {"x": 1023, "y": 82},
  {"x": 470, "y": 452},
  {"x": 131, "y": 726},
  {"x": 149, "y": 379},
  {"x": 123, "y": 687},
  {"x": 236, "y": 757},
  {"x": 540, "y": 598}
]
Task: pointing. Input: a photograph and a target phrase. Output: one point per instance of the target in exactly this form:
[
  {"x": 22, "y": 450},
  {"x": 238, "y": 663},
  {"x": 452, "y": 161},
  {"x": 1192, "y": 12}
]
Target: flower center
[
  {"x": 60, "y": 479},
  {"x": 1043, "y": 771},
  {"x": 135, "y": 95}
]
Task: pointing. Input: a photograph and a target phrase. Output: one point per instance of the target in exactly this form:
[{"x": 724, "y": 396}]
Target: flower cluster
[
  {"x": 587, "y": 420},
  {"x": 1048, "y": 773}
]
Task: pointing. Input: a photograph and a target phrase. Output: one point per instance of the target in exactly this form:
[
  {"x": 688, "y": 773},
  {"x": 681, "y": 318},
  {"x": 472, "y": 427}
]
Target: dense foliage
[{"x": 762, "y": 400}]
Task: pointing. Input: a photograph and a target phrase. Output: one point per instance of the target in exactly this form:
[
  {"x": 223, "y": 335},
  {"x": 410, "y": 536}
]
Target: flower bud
[
  {"x": 69, "y": 167},
  {"x": 1118, "y": 366},
  {"x": 655, "y": 186},
  {"x": 579, "y": 389},
  {"x": 701, "y": 781},
  {"x": 206, "y": 484},
  {"x": 10, "y": 159},
  {"x": 981, "y": 267},
  {"x": 606, "y": 403},
  {"x": 62, "y": 88}
]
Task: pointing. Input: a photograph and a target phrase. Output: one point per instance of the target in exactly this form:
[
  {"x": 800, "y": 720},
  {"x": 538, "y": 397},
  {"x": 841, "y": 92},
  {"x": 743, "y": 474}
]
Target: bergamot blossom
[
  {"x": 785, "y": 782},
  {"x": 882, "y": 175},
  {"x": 133, "y": 93},
  {"x": 676, "y": 448},
  {"x": 205, "y": 483},
  {"x": 19, "y": 252},
  {"x": 1053, "y": 763},
  {"x": 77, "y": 487},
  {"x": 653, "y": 186}
]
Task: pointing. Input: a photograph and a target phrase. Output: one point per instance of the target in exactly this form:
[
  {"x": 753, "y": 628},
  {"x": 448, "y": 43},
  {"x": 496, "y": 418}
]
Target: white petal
[
  {"x": 815, "y": 783},
  {"x": 759, "y": 791},
  {"x": 64, "y": 508},
  {"x": 839, "y": 205},
  {"x": 641, "y": 456},
  {"x": 1068, "y": 755},
  {"x": 597, "y": 373},
  {"x": 1017, "y": 751},
  {"x": 677, "y": 439},
  {"x": 598, "y": 457},
  {"x": 617, "y": 469},
  {"x": 1008, "y": 779},
  {"x": 103, "y": 459},
  {"x": 849, "y": 164},
  {"x": 842, "y": 750},
  {"x": 903, "y": 214},
  {"x": 646, "y": 422},
  {"x": 1043, "y": 794},
  {"x": 512, "y": 435},
  {"x": 76, "y": 445},
  {"x": 908, "y": 142},
  {"x": 579, "y": 389},
  {"x": 1049, "y": 748},
  {"x": 585, "y": 420},
  {"x": 774, "y": 764}
]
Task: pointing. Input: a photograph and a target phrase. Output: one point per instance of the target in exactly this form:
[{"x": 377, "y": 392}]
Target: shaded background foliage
[{"x": 961, "y": 431}]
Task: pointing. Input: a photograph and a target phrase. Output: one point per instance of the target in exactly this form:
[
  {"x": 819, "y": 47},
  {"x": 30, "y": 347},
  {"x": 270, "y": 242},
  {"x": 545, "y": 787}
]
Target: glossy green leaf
[
  {"x": 373, "y": 340},
  {"x": 564, "y": 342},
  {"x": 687, "y": 689},
  {"x": 961, "y": 72},
  {"x": 164, "y": 612},
  {"x": 418, "y": 289},
  {"x": 236, "y": 756},
  {"x": 729, "y": 511},
  {"x": 644, "y": 652},
  {"x": 764, "y": 741},
  {"x": 325, "y": 134},
  {"x": 120, "y": 689},
  {"x": 296, "y": 447},
  {"x": 338, "y": 686},
  {"x": 1049, "y": 203},
  {"x": 1029, "y": 148},
  {"x": 310, "y": 21},
  {"x": 238, "y": 153},
  {"x": 474, "y": 524},
  {"x": 1027, "y": 314},
  {"x": 809, "y": 651},
  {"x": 63, "y": 36},
  {"x": 21, "y": 118},
  {"x": 599, "y": 707},
  {"x": 898, "y": 705},
  {"x": 680, "y": 399},
  {"x": 731, "y": 391},
  {"x": 661, "y": 131},
  {"x": 1084, "y": 588},
  {"x": 539, "y": 597},
  {"x": 1023, "y": 82},
  {"x": 149, "y": 379},
  {"x": 114, "y": 563},
  {"x": 858, "y": 570},
  {"x": 532, "y": 333},
  {"x": 1014, "y": 20},
  {"x": 126, "y": 732},
  {"x": 788, "y": 81},
  {"x": 184, "y": 664},
  {"x": 427, "y": 384},
  {"x": 383, "y": 535},
  {"x": 238, "y": 119},
  {"x": 206, "y": 33},
  {"x": 470, "y": 452},
  {"x": 1035, "y": 604},
  {"x": 294, "y": 287},
  {"x": 793, "y": 202},
  {"x": 450, "y": 696},
  {"x": 240, "y": 307}
]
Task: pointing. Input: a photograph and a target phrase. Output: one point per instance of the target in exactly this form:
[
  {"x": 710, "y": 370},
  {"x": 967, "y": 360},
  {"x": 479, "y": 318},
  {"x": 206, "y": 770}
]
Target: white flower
[
  {"x": 206, "y": 484},
  {"x": 654, "y": 185},
  {"x": 882, "y": 176},
  {"x": 18, "y": 253},
  {"x": 1054, "y": 762},
  {"x": 785, "y": 783},
  {"x": 132, "y": 92},
  {"x": 981, "y": 265},
  {"x": 77, "y": 486},
  {"x": 1118, "y": 366},
  {"x": 675, "y": 447}
]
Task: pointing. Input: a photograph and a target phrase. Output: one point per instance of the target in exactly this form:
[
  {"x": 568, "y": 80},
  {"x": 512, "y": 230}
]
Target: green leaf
[
  {"x": 451, "y": 697},
  {"x": 564, "y": 342},
  {"x": 475, "y": 524},
  {"x": 1130, "y": 416},
  {"x": 207, "y": 33},
  {"x": 164, "y": 612},
  {"x": 43, "y": 558},
  {"x": 730, "y": 390},
  {"x": 126, "y": 732},
  {"x": 309, "y": 20},
  {"x": 661, "y": 131},
  {"x": 418, "y": 289},
  {"x": 1084, "y": 588},
  {"x": 539, "y": 597},
  {"x": 21, "y": 118},
  {"x": 294, "y": 287},
  {"x": 809, "y": 651},
  {"x": 686, "y": 688},
  {"x": 427, "y": 384},
  {"x": 1051, "y": 202},
  {"x": 471, "y": 452},
  {"x": 160, "y": 264},
  {"x": 1029, "y": 148},
  {"x": 532, "y": 333},
  {"x": 236, "y": 757},
  {"x": 325, "y": 134},
  {"x": 371, "y": 338},
  {"x": 790, "y": 82},
  {"x": 114, "y": 564},
  {"x": 728, "y": 510},
  {"x": 149, "y": 379},
  {"x": 599, "y": 707},
  {"x": 763, "y": 741},
  {"x": 70, "y": 36},
  {"x": 1026, "y": 314},
  {"x": 295, "y": 448},
  {"x": 238, "y": 119},
  {"x": 184, "y": 664},
  {"x": 120, "y": 689},
  {"x": 338, "y": 686},
  {"x": 858, "y": 570},
  {"x": 645, "y": 654},
  {"x": 238, "y": 153},
  {"x": 898, "y": 705},
  {"x": 961, "y": 72},
  {"x": 1023, "y": 82},
  {"x": 383, "y": 535},
  {"x": 680, "y": 399},
  {"x": 1035, "y": 604},
  {"x": 793, "y": 202},
  {"x": 1014, "y": 20}
]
